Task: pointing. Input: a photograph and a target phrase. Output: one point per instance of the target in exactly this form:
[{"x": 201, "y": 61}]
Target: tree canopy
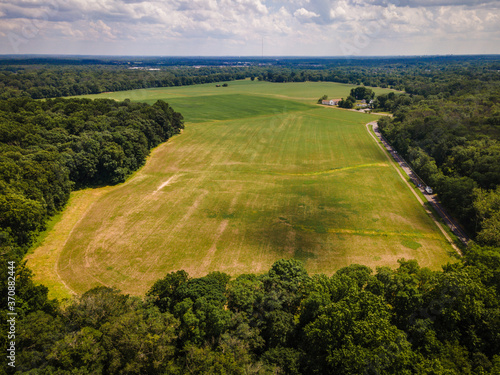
[{"x": 410, "y": 320}]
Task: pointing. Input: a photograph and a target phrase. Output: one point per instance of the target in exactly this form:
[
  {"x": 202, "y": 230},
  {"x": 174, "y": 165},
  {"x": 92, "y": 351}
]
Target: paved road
[{"x": 431, "y": 198}]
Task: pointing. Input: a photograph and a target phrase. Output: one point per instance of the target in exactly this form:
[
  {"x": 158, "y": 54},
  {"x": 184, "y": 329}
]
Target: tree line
[
  {"x": 54, "y": 81},
  {"x": 410, "y": 320},
  {"x": 48, "y": 148},
  {"x": 453, "y": 143},
  {"x": 425, "y": 76}
]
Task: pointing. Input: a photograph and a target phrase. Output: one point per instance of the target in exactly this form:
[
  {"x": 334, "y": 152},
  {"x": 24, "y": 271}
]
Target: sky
[{"x": 250, "y": 27}]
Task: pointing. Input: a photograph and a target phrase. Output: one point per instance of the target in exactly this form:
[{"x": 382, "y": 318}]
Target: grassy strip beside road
[{"x": 425, "y": 201}]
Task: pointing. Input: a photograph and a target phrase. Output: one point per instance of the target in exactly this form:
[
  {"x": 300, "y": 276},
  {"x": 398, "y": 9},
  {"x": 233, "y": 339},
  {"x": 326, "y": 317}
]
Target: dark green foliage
[
  {"x": 362, "y": 92},
  {"x": 48, "y": 148},
  {"x": 420, "y": 76},
  {"x": 36, "y": 337},
  {"x": 139, "y": 341},
  {"x": 453, "y": 145},
  {"x": 102, "y": 332},
  {"x": 393, "y": 102},
  {"x": 284, "y": 360},
  {"x": 487, "y": 208},
  {"x": 211, "y": 287},
  {"x": 195, "y": 302},
  {"x": 347, "y": 103},
  {"x": 355, "y": 336},
  {"x": 164, "y": 294},
  {"x": 405, "y": 321},
  {"x": 320, "y": 100},
  {"x": 51, "y": 81},
  {"x": 96, "y": 307},
  {"x": 361, "y": 274}
]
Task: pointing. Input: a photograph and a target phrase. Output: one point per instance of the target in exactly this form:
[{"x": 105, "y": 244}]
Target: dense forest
[
  {"x": 405, "y": 321},
  {"x": 50, "y": 82},
  {"x": 410, "y": 320},
  {"x": 50, "y": 147},
  {"x": 51, "y": 77},
  {"x": 453, "y": 143}
]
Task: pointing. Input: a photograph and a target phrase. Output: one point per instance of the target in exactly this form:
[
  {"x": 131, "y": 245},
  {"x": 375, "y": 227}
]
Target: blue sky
[{"x": 250, "y": 27}]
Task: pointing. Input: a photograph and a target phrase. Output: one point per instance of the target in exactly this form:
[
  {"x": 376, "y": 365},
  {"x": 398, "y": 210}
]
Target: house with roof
[{"x": 330, "y": 102}]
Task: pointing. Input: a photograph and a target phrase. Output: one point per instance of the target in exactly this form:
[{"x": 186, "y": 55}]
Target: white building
[{"x": 330, "y": 102}]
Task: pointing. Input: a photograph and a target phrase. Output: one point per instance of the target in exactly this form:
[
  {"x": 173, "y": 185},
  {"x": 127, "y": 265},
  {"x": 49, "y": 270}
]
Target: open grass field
[
  {"x": 260, "y": 173},
  {"x": 306, "y": 92}
]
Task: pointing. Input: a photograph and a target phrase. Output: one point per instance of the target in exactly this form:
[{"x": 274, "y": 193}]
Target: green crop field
[
  {"x": 260, "y": 173},
  {"x": 306, "y": 92}
]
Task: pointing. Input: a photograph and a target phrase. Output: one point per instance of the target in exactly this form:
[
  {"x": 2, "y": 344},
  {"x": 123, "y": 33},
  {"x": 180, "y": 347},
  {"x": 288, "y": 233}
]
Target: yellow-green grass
[
  {"x": 236, "y": 194},
  {"x": 44, "y": 258},
  {"x": 308, "y": 92}
]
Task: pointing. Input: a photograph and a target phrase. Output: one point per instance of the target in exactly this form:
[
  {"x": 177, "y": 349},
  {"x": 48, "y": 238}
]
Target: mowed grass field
[{"x": 260, "y": 173}]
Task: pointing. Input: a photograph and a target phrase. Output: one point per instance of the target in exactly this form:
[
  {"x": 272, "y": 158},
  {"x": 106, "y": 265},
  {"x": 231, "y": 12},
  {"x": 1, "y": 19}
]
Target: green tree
[
  {"x": 140, "y": 341},
  {"x": 347, "y": 103},
  {"x": 320, "y": 100},
  {"x": 37, "y": 334},
  {"x": 487, "y": 207},
  {"x": 355, "y": 336},
  {"x": 96, "y": 307},
  {"x": 362, "y": 92},
  {"x": 80, "y": 351},
  {"x": 164, "y": 293}
]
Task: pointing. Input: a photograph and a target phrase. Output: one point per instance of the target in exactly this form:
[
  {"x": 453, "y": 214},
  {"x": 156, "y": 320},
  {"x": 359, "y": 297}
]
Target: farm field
[
  {"x": 259, "y": 173},
  {"x": 306, "y": 92}
]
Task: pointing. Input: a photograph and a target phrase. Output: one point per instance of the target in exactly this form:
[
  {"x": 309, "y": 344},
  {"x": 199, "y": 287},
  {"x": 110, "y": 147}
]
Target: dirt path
[{"x": 430, "y": 198}]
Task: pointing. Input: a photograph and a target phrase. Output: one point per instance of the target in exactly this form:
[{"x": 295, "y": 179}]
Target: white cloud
[
  {"x": 292, "y": 27},
  {"x": 304, "y": 15}
]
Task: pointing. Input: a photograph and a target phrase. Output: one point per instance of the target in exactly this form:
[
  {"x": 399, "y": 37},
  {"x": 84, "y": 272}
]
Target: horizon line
[{"x": 242, "y": 56}]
